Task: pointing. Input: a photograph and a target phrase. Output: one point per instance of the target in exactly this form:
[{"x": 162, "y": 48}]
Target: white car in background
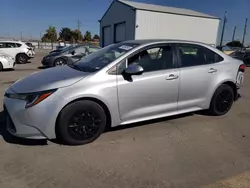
[
  {"x": 19, "y": 50},
  {"x": 6, "y": 61}
]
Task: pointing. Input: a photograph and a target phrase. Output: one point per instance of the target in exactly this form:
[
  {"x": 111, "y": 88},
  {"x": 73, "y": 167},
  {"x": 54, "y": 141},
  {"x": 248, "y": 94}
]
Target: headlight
[
  {"x": 31, "y": 98},
  {"x": 6, "y": 56}
]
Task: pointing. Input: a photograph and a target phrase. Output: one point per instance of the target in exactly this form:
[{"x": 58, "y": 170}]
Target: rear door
[
  {"x": 8, "y": 48},
  {"x": 199, "y": 71}
]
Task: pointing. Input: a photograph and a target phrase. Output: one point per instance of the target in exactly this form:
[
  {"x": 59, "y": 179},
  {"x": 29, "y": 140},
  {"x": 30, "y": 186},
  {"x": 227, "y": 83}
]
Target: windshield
[
  {"x": 103, "y": 57},
  {"x": 65, "y": 48}
]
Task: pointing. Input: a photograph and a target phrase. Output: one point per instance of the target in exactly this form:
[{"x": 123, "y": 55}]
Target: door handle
[
  {"x": 212, "y": 70},
  {"x": 172, "y": 77}
]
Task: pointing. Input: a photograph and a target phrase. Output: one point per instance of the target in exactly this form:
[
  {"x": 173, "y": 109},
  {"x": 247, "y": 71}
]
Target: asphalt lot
[{"x": 186, "y": 151}]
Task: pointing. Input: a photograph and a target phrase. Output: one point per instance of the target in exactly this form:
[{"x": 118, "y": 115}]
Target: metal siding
[
  {"x": 156, "y": 25},
  {"x": 118, "y": 13}
]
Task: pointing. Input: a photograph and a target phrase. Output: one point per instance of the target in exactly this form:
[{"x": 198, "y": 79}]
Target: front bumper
[
  {"x": 48, "y": 62},
  {"x": 37, "y": 122}
]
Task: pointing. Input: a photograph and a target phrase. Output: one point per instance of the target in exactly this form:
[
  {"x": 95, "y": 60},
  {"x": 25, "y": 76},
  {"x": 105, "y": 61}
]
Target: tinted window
[
  {"x": 194, "y": 55},
  {"x": 10, "y": 45},
  {"x": 19, "y": 45},
  {"x": 153, "y": 59},
  {"x": 2, "y": 45}
]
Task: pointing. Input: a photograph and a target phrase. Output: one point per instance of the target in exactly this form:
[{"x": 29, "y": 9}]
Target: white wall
[
  {"x": 118, "y": 13},
  {"x": 170, "y": 26}
]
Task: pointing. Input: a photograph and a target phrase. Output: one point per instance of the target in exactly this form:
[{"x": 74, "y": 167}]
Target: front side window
[
  {"x": 195, "y": 55},
  {"x": 103, "y": 57},
  {"x": 153, "y": 59},
  {"x": 2, "y": 45}
]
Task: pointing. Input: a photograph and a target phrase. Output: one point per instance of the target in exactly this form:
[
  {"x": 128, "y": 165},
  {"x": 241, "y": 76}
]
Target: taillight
[{"x": 242, "y": 68}]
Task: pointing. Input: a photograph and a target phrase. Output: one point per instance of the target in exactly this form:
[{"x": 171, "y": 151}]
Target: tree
[
  {"x": 96, "y": 37},
  {"x": 77, "y": 35},
  {"x": 87, "y": 36},
  {"x": 66, "y": 34},
  {"x": 235, "y": 44},
  {"x": 50, "y": 35}
]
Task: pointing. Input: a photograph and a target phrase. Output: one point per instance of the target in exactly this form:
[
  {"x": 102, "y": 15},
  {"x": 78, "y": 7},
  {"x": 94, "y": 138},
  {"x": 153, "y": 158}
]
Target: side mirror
[
  {"x": 134, "y": 69},
  {"x": 73, "y": 52}
]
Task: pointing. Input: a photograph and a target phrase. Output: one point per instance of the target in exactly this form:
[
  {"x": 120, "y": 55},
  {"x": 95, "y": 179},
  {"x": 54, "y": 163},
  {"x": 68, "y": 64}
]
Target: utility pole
[
  {"x": 21, "y": 35},
  {"x": 234, "y": 33},
  {"x": 245, "y": 31},
  {"x": 223, "y": 28},
  {"x": 79, "y": 25}
]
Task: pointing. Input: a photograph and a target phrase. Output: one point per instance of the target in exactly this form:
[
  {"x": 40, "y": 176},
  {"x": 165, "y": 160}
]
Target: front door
[{"x": 154, "y": 93}]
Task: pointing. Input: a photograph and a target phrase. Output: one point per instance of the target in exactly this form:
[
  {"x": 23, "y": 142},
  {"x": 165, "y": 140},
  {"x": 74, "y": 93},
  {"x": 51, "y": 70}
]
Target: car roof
[
  {"x": 11, "y": 41},
  {"x": 148, "y": 41}
]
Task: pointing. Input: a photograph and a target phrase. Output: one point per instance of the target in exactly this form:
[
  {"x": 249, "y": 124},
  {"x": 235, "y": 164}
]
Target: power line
[
  {"x": 223, "y": 28},
  {"x": 245, "y": 31},
  {"x": 234, "y": 33},
  {"x": 79, "y": 25}
]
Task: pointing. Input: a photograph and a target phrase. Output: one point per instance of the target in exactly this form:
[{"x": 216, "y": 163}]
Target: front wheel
[
  {"x": 81, "y": 122},
  {"x": 222, "y": 100},
  {"x": 59, "y": 62}
]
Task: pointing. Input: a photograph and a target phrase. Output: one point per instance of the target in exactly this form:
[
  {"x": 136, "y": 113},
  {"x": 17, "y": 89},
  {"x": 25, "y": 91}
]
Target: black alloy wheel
[
  {"x": 81, "y": 122},
  {"x": 222, "y": 100}
]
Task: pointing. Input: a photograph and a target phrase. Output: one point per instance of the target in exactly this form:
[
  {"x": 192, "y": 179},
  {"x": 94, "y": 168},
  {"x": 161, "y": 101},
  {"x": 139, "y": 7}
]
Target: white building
[{"x": 127, "y": 20}]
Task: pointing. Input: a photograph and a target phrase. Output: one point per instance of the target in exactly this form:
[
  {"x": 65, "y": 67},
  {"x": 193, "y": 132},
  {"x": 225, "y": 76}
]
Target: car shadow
[
  {"x": 15, "y": 140},
  {"x": 8, "y": 70},
  {"x": 42, "y": 67}
]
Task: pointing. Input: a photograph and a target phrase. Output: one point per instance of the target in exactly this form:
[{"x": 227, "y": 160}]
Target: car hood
[{"x": 52, "y": 78}]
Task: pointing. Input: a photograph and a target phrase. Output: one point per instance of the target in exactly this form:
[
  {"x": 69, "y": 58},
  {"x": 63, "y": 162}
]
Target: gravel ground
[{"x": 184, "y": 151}]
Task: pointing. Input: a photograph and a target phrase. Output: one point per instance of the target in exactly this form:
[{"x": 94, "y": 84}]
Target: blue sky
[{"x": 32, "y": 17}]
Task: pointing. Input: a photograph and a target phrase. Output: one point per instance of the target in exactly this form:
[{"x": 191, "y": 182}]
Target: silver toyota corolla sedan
[{"x": 120, "y": 84}]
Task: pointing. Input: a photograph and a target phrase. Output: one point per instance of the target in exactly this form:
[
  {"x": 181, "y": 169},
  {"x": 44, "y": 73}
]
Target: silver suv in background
[
  {"x": 19, "y": 50},
  {"x": 122, "y": 83}
]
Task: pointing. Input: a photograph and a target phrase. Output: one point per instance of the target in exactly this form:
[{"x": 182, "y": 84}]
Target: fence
[{"x": 51, "y": 46}]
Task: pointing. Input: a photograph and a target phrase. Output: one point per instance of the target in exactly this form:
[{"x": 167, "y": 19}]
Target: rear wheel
[
  {"x": 59, "y": 62},
  {"x": 222, "y": 100},
  {"x": 22, "y": 58},
  {"x": 81, "y": 122}
]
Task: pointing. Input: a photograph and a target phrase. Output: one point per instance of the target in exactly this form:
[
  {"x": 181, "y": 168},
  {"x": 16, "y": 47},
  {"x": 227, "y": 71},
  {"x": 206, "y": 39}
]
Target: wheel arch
[
  {"x": 21, "y": 53},
  {"x": 93, "y": 99},
  {"x": 231, "y": 83}
]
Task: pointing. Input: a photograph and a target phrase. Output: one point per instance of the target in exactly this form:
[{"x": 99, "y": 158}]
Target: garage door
[
  {"x": 120, "y": 32},
  {"x": 107, "y": 36}
]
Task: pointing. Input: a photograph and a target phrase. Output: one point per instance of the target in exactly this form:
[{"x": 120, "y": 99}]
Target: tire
[
  {"x": 222, "y": 100},
  {"x": 80, "y": 123},
  {"x": 59, "y": 62},
  {"x": 22, "y": 58},
  {"x": 1, "y": 66}
]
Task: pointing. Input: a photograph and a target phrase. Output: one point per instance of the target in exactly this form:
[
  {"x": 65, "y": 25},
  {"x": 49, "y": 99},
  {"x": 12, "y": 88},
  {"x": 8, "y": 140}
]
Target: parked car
[
  {"x": 30, "y": 45},
  {"x": 68, "y": 55},
  {"x": 61, "y": 48},
  {"x": 6, "y": 61},
  {"x": 243, "y": 56},
  {"x": 19, "y": 50},
  {"x": 120, "y": 84}
]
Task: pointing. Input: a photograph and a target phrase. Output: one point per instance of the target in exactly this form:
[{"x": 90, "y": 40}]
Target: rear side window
[
  {"x": 195, "y": 55},
  {"x": 18, "y": 45}
]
